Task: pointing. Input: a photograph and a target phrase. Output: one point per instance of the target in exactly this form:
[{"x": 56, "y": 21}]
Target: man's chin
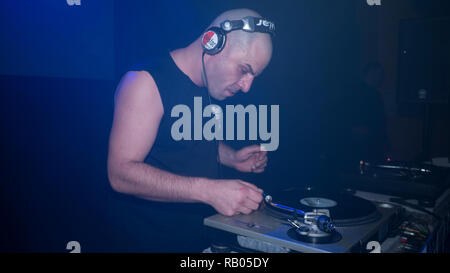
[
  {"x": 223, "y": 95},
  {"x": 220, "y": 97},
  {"x": 228, "y": 94}
]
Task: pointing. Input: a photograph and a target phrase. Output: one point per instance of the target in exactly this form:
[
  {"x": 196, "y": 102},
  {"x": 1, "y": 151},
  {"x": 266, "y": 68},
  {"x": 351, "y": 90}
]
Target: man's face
[{"x": 234, "y": 70}]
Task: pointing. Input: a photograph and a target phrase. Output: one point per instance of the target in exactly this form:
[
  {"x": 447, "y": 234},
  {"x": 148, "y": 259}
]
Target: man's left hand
[{"x": 250, "y": 159}]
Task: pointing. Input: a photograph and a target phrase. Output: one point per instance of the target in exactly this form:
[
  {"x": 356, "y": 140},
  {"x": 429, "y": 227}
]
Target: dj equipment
[
  {"x": 214, "y": 39},
  {"x": 410, "y": 180},
  {"x": 304, "y": 221},
  {"x": 313, "y": 220}
]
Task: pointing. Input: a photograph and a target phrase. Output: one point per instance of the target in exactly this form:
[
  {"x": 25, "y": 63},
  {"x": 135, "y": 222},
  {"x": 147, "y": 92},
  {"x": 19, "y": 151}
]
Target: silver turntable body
[{"x": 260, "y": 231}]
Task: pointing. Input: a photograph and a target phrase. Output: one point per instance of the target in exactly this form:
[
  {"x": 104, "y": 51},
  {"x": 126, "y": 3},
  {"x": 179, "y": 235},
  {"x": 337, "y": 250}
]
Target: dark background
[{"x": 60, "y": 65}]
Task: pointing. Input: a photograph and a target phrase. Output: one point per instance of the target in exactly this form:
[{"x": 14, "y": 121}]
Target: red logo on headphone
[{"x": 210, "y": 39}]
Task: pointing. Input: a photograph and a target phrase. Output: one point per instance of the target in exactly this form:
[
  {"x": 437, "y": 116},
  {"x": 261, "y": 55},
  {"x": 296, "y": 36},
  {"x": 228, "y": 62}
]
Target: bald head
[
  {"x": 233, "y": 69},
  {"x": 244, "y": 57}
]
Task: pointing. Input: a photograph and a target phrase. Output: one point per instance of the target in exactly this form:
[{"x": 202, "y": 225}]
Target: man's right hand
[{"x": 231, "y": 197}]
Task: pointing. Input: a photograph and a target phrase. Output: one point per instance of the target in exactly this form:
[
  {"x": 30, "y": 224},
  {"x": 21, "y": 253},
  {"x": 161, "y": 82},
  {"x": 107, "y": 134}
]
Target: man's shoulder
[
  {"x": 152, "y": 77},
  {"x": 138, "y": 78},
  {"x": 138, "y": 84}
]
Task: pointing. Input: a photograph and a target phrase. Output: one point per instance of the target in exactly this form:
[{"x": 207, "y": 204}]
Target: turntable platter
[
  {"x": 318, "y": 202},
  {"x": 345, "y": 209}
]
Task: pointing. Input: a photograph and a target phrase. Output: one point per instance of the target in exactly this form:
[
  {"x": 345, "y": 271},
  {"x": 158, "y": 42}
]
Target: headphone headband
[
  {"x": 249, "y": 24},
  {"x": 214, "y": 39}
]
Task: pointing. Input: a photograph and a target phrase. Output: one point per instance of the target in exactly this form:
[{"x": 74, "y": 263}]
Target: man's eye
[{"x": 243, "y": 71}]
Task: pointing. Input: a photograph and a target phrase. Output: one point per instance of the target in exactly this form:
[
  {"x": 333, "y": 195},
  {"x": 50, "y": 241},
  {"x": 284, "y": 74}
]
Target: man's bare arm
[{"x": 137, "y": 114}]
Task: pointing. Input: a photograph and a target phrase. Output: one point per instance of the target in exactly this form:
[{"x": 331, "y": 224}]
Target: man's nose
[{"x": 246, "y": 82}]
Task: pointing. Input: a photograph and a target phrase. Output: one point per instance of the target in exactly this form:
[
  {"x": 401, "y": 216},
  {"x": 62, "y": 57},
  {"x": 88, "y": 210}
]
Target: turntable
[
  {"x": 304, "y": 220},
  {"x": 420, "y": 181}
]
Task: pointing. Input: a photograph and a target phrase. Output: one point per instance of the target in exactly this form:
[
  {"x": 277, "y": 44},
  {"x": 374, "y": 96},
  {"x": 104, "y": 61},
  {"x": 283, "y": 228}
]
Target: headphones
[{"x": 214, "y": 39}]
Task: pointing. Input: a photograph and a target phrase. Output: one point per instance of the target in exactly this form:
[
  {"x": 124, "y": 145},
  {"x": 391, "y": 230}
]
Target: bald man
[{"x": 146, "y": 162}]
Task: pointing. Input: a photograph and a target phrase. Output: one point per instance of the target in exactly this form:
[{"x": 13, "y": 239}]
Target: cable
[
  {"x": 205, "y": 77},
  {"x": 219, "y": 166}
]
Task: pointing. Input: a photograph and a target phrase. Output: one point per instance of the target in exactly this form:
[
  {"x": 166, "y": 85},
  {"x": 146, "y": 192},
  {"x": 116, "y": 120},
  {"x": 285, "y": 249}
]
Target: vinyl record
[{"x": 345, "y": 209}]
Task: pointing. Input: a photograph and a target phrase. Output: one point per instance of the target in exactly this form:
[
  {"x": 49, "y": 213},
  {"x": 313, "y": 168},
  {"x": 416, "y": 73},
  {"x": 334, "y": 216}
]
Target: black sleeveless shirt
[
  {"x": 140, "y": 225},
  {"x": 184, "y": 157}
]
